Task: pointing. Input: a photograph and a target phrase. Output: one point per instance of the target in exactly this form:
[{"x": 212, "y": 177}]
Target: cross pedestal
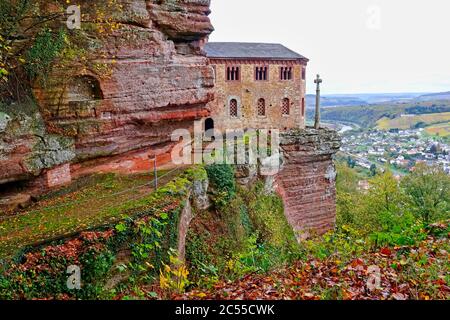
[{"x": 317, "y": 81}]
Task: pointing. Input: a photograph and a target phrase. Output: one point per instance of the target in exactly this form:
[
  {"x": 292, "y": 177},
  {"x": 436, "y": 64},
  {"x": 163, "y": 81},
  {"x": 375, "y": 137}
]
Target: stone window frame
[
  {"x": 303, "y": 72},
  {"x": 267, "y": 66},
  {"x": 258, "y": 106},
  {"x": 239, "y": 111},
  {"x": 288, "y": 107},
  {"x": 290, "y": 74},
  {"x": 239, "y": 72}
]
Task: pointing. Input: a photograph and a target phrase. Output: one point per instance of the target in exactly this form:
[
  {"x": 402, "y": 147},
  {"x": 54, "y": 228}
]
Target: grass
[
  {"x": 410, "y": 121},
  {"x": 441, "y": 130},
  {"x": 69, "y": 211}
]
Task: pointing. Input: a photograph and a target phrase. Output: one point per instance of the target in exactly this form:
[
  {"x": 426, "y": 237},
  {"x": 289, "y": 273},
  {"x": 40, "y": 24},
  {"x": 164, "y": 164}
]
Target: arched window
[
  {"x": 261, "y": 107},
  {"x": 233, "y": 73},
  {"x": 286, "y": 73},
  {"x": 261, "y": 73},
  {"x": 233, "y": 108},
  {"x": 285, "y": 107}
]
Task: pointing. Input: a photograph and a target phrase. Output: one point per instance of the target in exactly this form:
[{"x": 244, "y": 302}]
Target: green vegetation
[
  {"x": 221, "y": 177},
  {"x": 413, "y": 121},
  {"x": 243, "y": 246},
  {"x": 428, "y": 193},
  {"x": 248, "y": 234},
  {"x": 25, "y": 33},
  {"x": 382, "y": 233},
  {"x": 41, "y": 55},
  {"x": 32, "y": 44},
  {"x": 390, "y": 207},
  {"x": 343, "y": 265},
  {"x": 88, "y": 203},
  {"x": 367, "y": 116},
  {"x": 146, "y": 233}
]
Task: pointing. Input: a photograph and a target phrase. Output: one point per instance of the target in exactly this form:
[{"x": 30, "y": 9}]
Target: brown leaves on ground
[
  {"x": 399, "y": 273},
  {"x": 71, "y": 250}
]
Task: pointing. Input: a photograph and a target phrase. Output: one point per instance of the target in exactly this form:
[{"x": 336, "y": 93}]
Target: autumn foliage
[{"x": 399, "y": 273}]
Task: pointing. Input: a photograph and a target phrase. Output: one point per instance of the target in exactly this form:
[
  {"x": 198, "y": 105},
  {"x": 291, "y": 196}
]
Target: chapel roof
[{"x": 245, "y": 50}]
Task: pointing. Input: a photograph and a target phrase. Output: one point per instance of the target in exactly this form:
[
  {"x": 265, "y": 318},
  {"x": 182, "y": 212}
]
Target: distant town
[
  {"x": 400, "y": 150},
  {"x": 395, "y": 131}
]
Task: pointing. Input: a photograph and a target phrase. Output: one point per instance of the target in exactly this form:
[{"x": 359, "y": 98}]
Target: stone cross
[{"x": 318, "y": 81}]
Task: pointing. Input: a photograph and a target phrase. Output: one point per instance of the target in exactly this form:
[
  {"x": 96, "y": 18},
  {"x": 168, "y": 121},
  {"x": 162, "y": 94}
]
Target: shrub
[
  {"x": 266, "y": 213},
  {"x": 200, "y": 259},
  {"x": 428, "y": 192},
  {"x": 148, "y": 230},
  {"x": 393, "y": 213},
  {"x": 260, "y": 257},
  {"x": 45, "y": 50},
  {"x": 397, "y": 230},
  {"x": 346, "y": 241},
  {"x": 251, "y": 234},
  {"x": 221, "y": 177},
  {"x": 173, "y": 277}
]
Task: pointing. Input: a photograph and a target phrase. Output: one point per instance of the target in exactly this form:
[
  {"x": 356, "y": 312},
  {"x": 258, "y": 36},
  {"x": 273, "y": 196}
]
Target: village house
[{"x": 257, "y": 86}]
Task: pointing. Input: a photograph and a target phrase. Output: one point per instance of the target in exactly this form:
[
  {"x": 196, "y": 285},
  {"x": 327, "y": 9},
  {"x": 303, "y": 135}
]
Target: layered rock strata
[
  {"x": 307, "y": 180},
  {"x": 143, "y": 75}
]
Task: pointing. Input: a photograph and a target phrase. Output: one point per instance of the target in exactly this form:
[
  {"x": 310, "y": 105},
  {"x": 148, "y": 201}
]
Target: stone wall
[
  {"x": 247, "y": 91},
  {"x": 307, "y": 180}
]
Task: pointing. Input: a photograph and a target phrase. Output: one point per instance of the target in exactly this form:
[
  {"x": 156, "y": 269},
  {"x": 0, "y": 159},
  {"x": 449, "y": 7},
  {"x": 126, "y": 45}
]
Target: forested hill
[
  {"x": 434, "y": 96},
  {"x": 368, "y": 115},
  {"x": 332, "y": 100}
]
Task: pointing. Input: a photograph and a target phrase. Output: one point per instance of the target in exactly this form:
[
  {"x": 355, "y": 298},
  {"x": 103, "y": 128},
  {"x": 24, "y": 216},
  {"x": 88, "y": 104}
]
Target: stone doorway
[{"x": 209, "y": 124}]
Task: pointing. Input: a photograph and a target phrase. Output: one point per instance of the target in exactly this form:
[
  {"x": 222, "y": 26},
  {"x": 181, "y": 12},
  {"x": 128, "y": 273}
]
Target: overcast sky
[{"x": 357, "y": 46}]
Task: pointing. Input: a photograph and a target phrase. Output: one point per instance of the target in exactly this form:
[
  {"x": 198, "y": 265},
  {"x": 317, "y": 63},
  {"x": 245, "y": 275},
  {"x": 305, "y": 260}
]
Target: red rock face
[
  {"x": 153, "y": 88},
  {"x": 59, "y": 176},
  {"x": 146, "y": 76},
  {"x": 307, "y": 180}
]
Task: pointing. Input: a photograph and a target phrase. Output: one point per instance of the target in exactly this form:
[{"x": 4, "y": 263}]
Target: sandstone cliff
[
  {"x": 307, "y": 180},
  {"x": 141, "y": 75}
]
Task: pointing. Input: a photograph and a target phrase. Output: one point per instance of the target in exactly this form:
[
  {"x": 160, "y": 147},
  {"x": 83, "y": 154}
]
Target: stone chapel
[{"x": 257, "y": 86}]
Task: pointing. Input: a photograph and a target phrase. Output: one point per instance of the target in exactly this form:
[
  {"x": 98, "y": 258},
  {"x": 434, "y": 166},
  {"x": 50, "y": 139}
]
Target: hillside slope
[
  {"x": 397, "y": 273},
  {"x": 368, "y": 115}
]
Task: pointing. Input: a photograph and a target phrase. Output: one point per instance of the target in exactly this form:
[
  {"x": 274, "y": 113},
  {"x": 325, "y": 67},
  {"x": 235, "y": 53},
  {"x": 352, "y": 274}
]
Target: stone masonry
[{"x": 247, "y": 90}]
